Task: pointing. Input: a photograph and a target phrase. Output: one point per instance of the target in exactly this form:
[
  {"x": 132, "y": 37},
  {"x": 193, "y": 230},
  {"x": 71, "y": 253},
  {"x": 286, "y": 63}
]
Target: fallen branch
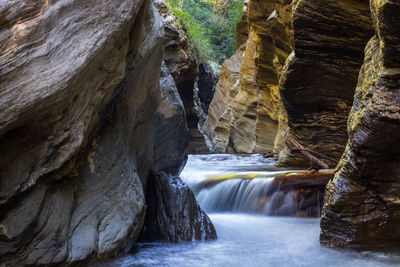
[
  {"x": 294, "y": 145},
  {"x": 314, "y": 153},
  {"x": 302, "y": 179}
]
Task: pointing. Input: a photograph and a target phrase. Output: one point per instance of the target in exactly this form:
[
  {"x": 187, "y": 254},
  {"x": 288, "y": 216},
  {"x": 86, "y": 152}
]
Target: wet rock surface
[
  {"x": 318, "y": 82},
  {"x": 362, "y": 201},
  {"x": 173, "y": 213},
  {"x": 84, "y": 121}
]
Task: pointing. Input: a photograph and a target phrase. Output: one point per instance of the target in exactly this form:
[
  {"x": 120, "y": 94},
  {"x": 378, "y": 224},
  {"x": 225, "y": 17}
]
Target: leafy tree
[{"x": 210, "y": 25}]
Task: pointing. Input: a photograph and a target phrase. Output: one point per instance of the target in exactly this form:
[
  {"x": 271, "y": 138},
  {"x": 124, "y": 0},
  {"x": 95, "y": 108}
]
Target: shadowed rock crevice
[{"x": 194, "y": 81}]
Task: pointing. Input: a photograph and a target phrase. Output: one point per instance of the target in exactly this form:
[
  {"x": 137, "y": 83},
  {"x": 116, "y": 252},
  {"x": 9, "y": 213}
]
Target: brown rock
[
  {"x": 318, "y": 83},
  {"x": 220, "y": 118},
  {"x": 362, "y": 203},
  {"x": 242, "y": 27},
  {"x": 257, "y": 108}
]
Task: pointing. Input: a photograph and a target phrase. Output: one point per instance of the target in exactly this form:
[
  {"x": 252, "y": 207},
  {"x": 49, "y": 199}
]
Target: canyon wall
[
  {"x": 255, "y": 109},
  {"x": 307, "y": 95},
  {"x": 319, "y": 104},
  {"x": 186, "y": 71},
  {"x": 84, "y": 122},
  {"x": 320, "y": 77},
  {"x": 362, "y": 207}
]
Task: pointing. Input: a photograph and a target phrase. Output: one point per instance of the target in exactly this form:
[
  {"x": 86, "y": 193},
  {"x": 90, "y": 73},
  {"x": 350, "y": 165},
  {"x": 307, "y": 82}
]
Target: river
[{"x": 246, "y": 238}]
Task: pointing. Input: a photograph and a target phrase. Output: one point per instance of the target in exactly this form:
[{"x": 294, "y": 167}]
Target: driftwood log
[{"x": 309, "y": 154}]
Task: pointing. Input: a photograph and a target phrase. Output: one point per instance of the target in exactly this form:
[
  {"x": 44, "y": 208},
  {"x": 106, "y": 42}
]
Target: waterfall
[{"x": 249, "y": 191}]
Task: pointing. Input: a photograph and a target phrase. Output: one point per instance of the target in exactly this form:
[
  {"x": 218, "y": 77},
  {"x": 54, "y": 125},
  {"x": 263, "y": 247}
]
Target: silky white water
[{"x": 248, "y": 239}]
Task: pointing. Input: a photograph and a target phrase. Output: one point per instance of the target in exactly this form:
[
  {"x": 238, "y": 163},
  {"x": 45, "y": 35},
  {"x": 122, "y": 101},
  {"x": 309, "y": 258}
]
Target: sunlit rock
[{"x": 256, "y": 109}]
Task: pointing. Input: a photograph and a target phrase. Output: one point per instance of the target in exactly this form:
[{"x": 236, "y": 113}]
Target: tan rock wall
[{"x": 257, "y": 108}]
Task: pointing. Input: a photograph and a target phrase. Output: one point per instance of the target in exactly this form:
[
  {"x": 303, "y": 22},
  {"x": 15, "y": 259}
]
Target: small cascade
[
  {"x": 235, "y": 195},
  {"x": 258, "y": 195},
  {"x": 252, "y": 190}
]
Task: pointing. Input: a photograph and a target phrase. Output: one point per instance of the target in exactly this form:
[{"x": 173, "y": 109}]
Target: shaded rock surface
[
  {"x": 83, "y": 123},
  {"x": 173, "y": 213},
  {"x": 362, "y": 203},
  {"x": 320, "y": 77},
  {"x": 184, "y": 69},
  {"x": 205, "y": 85}
]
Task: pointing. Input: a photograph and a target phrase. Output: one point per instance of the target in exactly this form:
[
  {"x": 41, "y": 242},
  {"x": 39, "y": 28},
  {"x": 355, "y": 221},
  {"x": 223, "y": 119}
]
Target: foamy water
[{"x": 248, "y": 239}]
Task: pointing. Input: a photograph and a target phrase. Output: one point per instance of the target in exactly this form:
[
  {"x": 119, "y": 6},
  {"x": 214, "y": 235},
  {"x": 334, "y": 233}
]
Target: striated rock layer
[
  {"x": 317, "y": 85},
  {"x": 362, "y": 202},
  {"x": 256, "y": 107},
  {"x": 83, "y": 123}
]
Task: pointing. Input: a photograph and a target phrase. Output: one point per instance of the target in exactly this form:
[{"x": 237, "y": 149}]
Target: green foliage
[{"x": 210, "y": 26}]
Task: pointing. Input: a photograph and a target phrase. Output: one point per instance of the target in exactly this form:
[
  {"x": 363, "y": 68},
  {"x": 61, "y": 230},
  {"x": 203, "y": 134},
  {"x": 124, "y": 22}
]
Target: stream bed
[{"x": 247, "y": 238}]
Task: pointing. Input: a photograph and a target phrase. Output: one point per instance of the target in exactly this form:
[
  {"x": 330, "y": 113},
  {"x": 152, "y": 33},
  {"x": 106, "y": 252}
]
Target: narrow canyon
[{"x": 101, "y": 102}]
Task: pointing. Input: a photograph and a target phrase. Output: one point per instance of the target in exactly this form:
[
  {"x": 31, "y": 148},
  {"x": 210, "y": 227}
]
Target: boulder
[
  {"x": 173, "y": 213},
  {"x": 83, "y": 124}
]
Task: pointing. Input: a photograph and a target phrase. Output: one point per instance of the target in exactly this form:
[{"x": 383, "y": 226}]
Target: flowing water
[{"x": 246, "y": 235}]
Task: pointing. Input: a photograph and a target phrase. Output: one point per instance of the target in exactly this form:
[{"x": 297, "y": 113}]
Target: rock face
[
  {"x": 174, "y": 214},
  {"x": 184, "y": 69},
  {"x": 255, "y": 107},
  {"x": 83, "y": 124},
  {"x": 362, "y": 205},
  {"x": 220, "y": 115},
  {"x": 319, "y": 80},
  {"x": 242, "y": 27}
]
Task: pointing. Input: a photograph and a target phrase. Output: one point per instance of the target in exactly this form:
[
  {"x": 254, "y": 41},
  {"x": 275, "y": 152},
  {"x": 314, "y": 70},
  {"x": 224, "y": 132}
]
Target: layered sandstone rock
[
  {"x": 318, "y": 83},
  {"x": 256, "y": 108},
  {"x": 83, "y": 124},
  {"x": 362, "y": 202},
  {"x": 220, "y": 117}
]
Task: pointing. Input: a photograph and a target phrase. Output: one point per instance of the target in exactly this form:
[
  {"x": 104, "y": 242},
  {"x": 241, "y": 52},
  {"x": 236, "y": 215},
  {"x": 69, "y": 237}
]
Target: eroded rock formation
[
  {"x": 319, "y": 80},
  {"x": 220, "y": 114},
  {"x": 362, "y": 206},
  {"x": 83, "y": 123},
  {"x": 256, "y": 106},
  {"x": 183, "y": 67}
]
